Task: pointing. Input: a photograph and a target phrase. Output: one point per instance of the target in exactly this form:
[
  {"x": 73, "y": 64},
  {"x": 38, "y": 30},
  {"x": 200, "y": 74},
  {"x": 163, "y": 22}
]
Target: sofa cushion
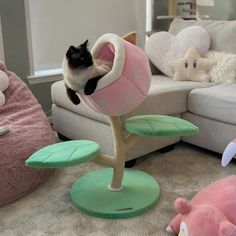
[
  {"x": 220, "y": 100},
  {"x": 222, "y": 33},
  {"x": 165, "y": 96}
]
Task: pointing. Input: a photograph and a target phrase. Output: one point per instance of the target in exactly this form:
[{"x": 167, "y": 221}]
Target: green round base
[{"x": 91, "y": 195}]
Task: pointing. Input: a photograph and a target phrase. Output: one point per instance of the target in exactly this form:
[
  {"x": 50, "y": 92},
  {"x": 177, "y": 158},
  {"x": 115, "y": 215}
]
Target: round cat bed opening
[{"x": 110, "y": 48}]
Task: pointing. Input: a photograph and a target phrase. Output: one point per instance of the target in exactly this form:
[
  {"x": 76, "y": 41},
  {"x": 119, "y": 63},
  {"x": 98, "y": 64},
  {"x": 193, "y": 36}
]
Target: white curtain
[{"x": 57, "y": 24}]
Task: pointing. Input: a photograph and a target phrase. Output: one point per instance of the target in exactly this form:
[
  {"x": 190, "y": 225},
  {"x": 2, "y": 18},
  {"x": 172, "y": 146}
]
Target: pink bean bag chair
[
  {"x": 128, "y": 82},
  {"x": 29, "y": 131},
  {"x": 212, "y": 212}
]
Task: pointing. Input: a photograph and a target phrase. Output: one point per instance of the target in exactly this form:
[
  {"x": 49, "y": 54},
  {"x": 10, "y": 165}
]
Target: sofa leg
[
  {"x": 62, "y": 137},
  {"x": 167, "y": 149},
  {"x": 131, "y": 163}
]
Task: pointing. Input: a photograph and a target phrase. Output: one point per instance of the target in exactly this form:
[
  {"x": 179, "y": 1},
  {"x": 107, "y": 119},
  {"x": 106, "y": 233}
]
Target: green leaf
[
  {"x": 160, "y": 125},
  {"x": 64, "y": 154}
]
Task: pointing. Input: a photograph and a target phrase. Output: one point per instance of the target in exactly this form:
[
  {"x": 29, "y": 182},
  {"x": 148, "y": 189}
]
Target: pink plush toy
[{"x": 212, "y": 212}]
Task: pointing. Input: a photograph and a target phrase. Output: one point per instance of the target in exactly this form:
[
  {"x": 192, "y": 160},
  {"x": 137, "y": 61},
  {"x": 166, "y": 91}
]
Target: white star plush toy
[{"x": 192, "y": 67}]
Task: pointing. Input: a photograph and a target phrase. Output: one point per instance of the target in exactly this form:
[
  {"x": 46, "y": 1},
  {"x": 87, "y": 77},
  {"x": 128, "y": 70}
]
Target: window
[
  {"x": 1, "y": 44},
  {"x": 54, "y": 25}
]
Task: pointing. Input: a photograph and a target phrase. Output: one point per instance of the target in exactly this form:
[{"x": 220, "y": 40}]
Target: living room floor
[{"x": 48, "y": 211}]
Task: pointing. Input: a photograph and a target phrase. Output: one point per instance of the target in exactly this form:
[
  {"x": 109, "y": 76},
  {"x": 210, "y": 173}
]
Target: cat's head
[{"x": 79, "y": 57}]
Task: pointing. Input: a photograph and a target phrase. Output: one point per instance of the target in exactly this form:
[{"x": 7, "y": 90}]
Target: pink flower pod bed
[{"x": 127, "y": 84}]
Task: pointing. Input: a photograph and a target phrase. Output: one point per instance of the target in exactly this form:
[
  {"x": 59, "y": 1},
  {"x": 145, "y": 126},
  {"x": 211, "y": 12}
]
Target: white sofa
[{"x": 211, "y": 106}]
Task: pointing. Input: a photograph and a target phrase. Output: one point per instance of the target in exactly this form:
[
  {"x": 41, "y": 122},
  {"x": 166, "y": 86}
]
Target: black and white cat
[{"x": 81, "y": 72}]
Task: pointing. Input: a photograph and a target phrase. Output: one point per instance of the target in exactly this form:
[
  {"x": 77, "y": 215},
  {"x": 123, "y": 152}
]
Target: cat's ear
[
  {"x": 85, "y": 44},
  {"x": 72, "y": 48},
  {"x": 70, "y": 51}
]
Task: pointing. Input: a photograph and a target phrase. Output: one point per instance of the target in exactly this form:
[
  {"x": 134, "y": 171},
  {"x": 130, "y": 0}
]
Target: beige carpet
[{"x": 48, "y": 211}]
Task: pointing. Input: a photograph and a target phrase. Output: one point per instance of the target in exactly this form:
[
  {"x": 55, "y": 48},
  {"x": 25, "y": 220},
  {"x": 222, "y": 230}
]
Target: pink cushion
[{"x": 29, "y": 131}]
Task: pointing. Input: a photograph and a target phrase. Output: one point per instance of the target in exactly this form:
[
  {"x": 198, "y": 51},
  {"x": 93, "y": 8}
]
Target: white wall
[
  {"x": 1, "y": 44},
  {"x": 57, "y": 24}
]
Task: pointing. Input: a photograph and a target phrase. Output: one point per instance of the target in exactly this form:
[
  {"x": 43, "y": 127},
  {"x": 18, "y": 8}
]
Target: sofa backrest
[{"x": 222, "y": 33}]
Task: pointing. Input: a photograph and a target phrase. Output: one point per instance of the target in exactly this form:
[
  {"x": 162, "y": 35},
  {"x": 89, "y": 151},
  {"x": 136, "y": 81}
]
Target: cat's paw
[
  {"x": 72, "y": 96},
  {"x": 105, "y": 68},
  {"x": 75, "y": 101},
  {"x": 88, "y": 90},
  {"x": 91, "y": 85}
]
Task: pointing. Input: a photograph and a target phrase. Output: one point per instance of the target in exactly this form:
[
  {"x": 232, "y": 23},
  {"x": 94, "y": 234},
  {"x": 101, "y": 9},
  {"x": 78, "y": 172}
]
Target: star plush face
[{"x": 192, "y": 67}]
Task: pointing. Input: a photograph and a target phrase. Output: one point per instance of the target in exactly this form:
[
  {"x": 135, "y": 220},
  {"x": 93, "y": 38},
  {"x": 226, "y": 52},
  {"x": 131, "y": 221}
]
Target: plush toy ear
[
  {"x": 182, "y": 206},
  {"x": 228, "y": 153},
  {"x": 4, "y": 83},
  {"x": 227, "y": 229}
]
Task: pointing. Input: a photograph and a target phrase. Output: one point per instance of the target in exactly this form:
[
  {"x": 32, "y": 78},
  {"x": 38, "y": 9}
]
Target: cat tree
[{"x": 115, "y": 192}]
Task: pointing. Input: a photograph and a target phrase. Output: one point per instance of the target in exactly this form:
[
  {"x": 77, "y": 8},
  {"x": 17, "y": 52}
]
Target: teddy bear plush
[
  {"x": 4, "y": 83},
  {"x": 212, "y": 212}
]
